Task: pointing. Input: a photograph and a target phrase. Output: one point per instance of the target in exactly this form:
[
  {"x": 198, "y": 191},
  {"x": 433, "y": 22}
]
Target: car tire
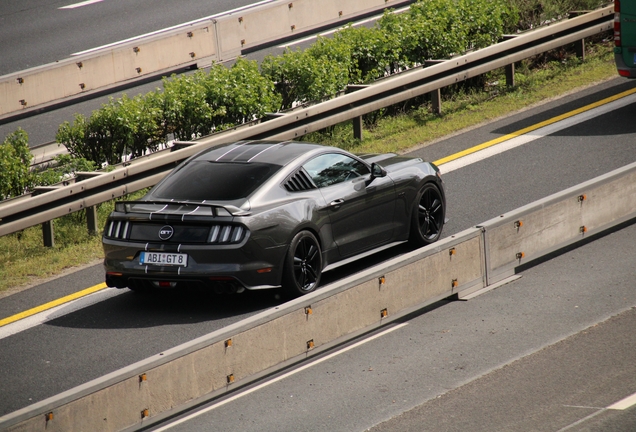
[
  {"x": 303, "y": 265},
  {"x": 428, "y": 215}
]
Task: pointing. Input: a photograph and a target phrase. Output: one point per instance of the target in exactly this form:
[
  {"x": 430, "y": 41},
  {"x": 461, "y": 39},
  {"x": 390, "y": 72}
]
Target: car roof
[{"x": 270, "y": 152}]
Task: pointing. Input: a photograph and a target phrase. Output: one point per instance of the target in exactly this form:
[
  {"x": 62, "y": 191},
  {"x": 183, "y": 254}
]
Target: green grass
[{"x": 25, "y": 261}]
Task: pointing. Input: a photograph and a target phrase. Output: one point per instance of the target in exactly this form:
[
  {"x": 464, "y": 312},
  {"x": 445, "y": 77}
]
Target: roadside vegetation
[{"x": 197, "y": 104}]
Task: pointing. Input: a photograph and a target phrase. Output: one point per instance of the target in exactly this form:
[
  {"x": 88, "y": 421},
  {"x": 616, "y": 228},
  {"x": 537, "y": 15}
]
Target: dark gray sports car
[{"x": 256, "y": 215}]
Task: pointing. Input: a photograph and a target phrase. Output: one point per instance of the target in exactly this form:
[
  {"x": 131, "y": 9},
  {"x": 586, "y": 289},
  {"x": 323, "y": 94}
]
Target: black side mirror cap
[{"x": 377, "y": 171}]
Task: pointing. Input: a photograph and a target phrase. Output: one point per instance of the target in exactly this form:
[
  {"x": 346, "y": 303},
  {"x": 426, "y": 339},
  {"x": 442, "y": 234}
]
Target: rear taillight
[
  {"x": 117, "y": 229},
  {"x": 617, "y": 23},
  {"x": 225, "y": 234}
]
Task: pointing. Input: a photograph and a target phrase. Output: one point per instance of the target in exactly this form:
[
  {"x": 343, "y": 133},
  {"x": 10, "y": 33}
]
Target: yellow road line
[
  {"x": 532, "y": 128},
  {"x": 52, "y": 304}
]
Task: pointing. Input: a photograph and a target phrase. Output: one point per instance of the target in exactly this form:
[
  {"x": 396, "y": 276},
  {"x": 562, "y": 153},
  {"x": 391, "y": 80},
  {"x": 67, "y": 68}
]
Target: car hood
[{"x": 390, "y": 161}]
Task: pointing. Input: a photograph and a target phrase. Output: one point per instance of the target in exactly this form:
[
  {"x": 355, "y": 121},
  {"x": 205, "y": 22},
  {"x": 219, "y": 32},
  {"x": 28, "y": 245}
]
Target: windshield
[{"x": 214, "y": 181}]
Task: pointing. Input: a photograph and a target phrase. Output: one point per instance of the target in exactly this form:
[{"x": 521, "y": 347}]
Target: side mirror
[{"x": 376, "y": 171}]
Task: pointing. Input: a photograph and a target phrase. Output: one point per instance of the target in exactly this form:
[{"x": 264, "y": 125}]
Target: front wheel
[
  {"x": 303, "y": 265},
  {"x": 427, "y": 220}
]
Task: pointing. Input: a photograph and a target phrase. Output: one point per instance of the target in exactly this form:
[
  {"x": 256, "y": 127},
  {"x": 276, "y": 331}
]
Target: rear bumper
[
  {"x": 623, "y": 69},
  {"x": 208, "y": 266}
]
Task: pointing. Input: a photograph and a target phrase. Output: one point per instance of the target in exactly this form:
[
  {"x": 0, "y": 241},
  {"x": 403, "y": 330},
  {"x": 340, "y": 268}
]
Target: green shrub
[
  {"x": 375, "y": 52},
  {"x": 63, "y": 167},
  {"x": 485, "y": 21},
  {"x": 434, "y": 30},
  {"x": 303, "y": 76},
  {"x": 15, "y": 162},
  {"x": 201, "y": 103},
  {"x": 245, "y": 93},
  {"x": 249, "y": 95},
  {"x": 186, "y": 112},
  {"x": 121, "y": 127},
  {"x": 534, "y": 13}
]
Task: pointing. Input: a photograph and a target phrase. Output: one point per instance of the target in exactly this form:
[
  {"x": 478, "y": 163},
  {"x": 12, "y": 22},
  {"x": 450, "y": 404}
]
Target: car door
[{"x": 360, "y": 211}]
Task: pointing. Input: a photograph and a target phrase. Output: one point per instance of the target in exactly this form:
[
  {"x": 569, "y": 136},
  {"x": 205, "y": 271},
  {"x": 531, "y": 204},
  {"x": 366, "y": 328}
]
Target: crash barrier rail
[
  {"x": 201, "y": 43},
  {"x": 90, "y": 189},
  {"x": 465, "y": 265}
]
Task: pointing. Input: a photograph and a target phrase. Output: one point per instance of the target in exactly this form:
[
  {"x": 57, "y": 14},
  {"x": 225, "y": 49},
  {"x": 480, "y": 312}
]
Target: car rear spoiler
[{"x": 179, "y": 207}]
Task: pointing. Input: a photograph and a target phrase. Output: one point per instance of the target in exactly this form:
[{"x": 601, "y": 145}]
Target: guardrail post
[
  {"x": 510, "y": 75},
  {"x": 357, "y": 121},
  {"x": 436, "y": 95},
  {"x": 48, "y": 234},
  {"x": 579, "y": 46},
  {"x": 91, "y": 220},
  {"x": 436, "y": 101},
  {"x": 357, "y": 127}
]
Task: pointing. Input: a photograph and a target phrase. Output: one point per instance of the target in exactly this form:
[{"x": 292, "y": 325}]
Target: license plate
[{"x": 163, "y": 259}]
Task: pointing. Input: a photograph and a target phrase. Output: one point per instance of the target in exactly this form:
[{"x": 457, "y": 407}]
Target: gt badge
[{"x": 166, "y": 232}]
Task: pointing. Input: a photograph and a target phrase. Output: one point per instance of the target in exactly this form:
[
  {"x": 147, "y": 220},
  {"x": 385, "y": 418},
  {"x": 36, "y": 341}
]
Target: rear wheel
[
  {"x": 303, "y": 265},
  {"x": 427, "y": 220}
]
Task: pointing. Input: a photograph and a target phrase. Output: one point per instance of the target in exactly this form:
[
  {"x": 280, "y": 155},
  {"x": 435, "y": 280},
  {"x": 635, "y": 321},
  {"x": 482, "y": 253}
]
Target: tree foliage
[
  {"x": 15, "y": 161},
  {"x": 64, "y": 166},
  {"x": 123, "y": 128},
  {"x": 303, "y": 76}
]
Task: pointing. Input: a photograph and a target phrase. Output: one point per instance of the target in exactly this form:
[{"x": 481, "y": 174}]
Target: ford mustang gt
[{"x": 259, "y": 214}]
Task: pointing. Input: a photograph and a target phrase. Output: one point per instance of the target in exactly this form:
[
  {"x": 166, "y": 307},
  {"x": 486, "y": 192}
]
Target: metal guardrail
[{"x": 87, "y": 190}]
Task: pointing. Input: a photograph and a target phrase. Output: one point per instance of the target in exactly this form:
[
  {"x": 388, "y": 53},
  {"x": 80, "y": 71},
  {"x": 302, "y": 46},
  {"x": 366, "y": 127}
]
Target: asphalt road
[{"x": 83, "y": 344}]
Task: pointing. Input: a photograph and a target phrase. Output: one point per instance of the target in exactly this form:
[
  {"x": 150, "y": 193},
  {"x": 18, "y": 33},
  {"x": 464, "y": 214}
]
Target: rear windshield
[{"x": 214, "y": 181}]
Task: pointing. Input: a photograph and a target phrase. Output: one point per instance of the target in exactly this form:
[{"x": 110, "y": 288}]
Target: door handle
[{"x": 336, "y": 203}]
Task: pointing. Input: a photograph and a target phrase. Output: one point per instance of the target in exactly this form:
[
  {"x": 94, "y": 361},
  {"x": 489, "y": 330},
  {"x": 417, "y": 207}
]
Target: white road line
[
  {"x": 583, "y": 420},
  {"x": 536, "y": 134},
  {"x": 77, "y": 5},
  {"x": 623, "y": 404},
  {"x": 279, "y": 378},
  {"x": 58, "y": 311}
]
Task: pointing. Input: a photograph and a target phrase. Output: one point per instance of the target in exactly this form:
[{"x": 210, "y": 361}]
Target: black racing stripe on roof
[
  {"x": 269, "y": 152},
  {"x": 246, "y": 152}
]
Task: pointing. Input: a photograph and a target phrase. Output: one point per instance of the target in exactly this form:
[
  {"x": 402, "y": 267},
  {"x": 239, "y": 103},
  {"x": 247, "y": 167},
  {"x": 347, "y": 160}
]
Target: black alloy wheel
[
  {"x": 303, "y": 265},
  {"x": 428, "y": 216}
]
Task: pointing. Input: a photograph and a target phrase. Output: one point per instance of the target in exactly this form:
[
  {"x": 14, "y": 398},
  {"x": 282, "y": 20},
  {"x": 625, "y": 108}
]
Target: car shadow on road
[
  {"x": 132, "y": 310},
  {"x": 165, "y": 308}
]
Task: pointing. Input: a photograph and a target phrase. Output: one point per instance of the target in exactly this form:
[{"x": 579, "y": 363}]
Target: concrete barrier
[
  {"x": 466, "y": 263},
  {"x": 101, "y": 69},
  {"x": 557, "y": 221},
  {"x": 281, "y": 20}
]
